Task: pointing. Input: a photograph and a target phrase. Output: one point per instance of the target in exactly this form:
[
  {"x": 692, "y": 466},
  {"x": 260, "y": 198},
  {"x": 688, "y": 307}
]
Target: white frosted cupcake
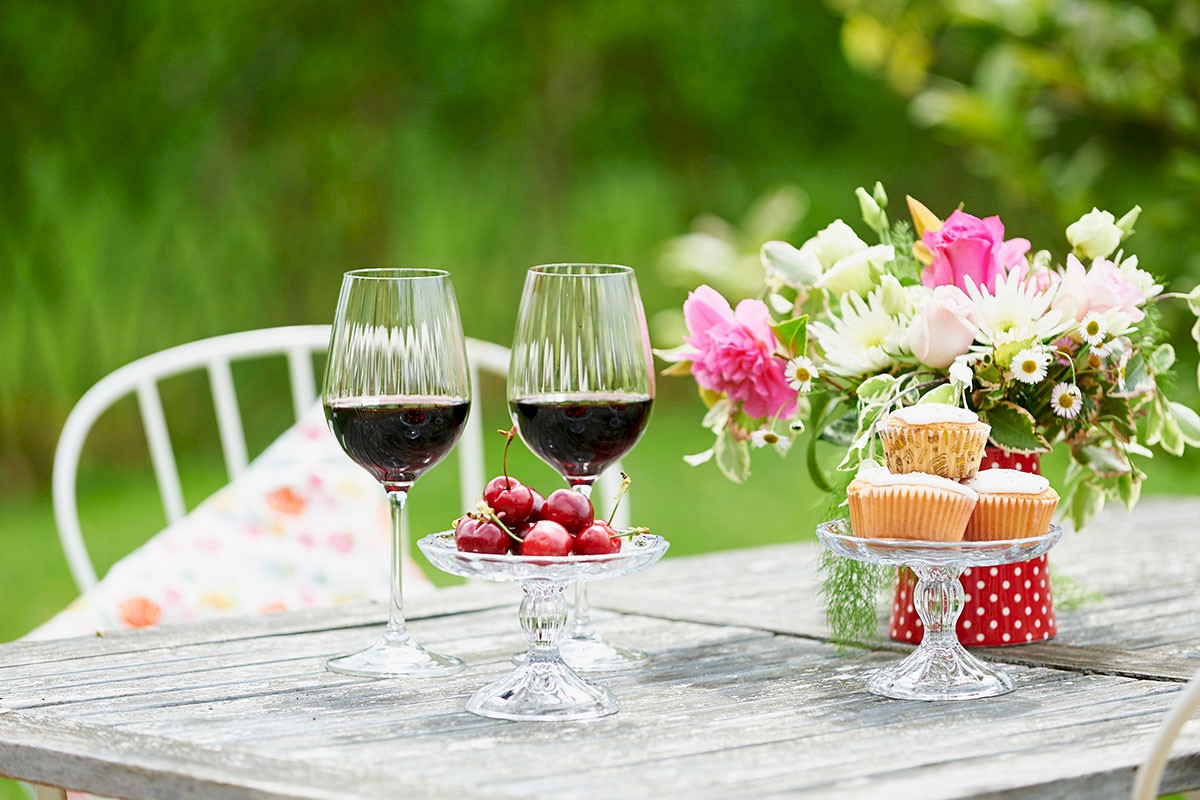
[
  {"x": 912, "y": 505},
  {"x": 935, "y": 438},
  {"x": 1012, "y": 505}
]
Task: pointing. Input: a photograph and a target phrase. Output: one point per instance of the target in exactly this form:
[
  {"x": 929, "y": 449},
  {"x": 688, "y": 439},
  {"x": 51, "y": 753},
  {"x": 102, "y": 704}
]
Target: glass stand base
[
  {"x": 543, "y": 690},
  {"x": 944, "y": 674},
  {"x": 395, "y": 658},
  {"x": 591, "y": 652}
]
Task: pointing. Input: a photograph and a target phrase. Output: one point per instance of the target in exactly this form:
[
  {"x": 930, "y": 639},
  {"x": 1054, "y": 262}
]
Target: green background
[{"x": 176, "y": 170}]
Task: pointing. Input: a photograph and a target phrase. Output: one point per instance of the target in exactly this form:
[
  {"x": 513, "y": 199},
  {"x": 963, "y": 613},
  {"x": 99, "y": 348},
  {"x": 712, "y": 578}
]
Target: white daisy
[
  {"x": 1066, "y": 400},
  {"x": 1093, "y": 328},
  {"x": 1029, "y": 365},
  {"x": 861, "y": 339},
  {"x": 764, "y": 437},
  {"x": 800, "y": 373},
  {"x": 1015, "y": 312}
]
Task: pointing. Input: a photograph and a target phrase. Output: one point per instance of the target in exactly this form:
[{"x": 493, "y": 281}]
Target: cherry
[
  {"x": 509, "y": 498},
  {"x": 538, "y": 502},
  {"x": 570, "y": 509},
  {"x": 520, "y": 532},
  {"x": 480, "y": 536},
  {"x": 597, "y": 539},
  {"x": 546, "y": 538}
]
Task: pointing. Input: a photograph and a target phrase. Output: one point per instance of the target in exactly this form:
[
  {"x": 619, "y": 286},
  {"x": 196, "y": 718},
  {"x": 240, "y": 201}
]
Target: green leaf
[
  {"x": 1129, "y": 489},
  {"x": 1188, "y": 422},
  {"x": 793, "y": 335},
  {"x": 1162, "y": 358},
  {"x": 1137, "y": 378},
  {"x": 1086, "y": 502},
  {"x": 733, "y": 457},
  {"x": 1172, "y": 437},
  {"x": 1014, "y": 428},
  {"x": 877, "y": 388},
  {"x": 939, "y": 394},
  {"x": 1193, "y": 301},
  {"x": 842, "y": 431},
  {"x": 1104, "y": 461}
]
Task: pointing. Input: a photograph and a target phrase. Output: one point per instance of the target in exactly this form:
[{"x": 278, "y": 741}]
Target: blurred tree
[{"x": 1064, "y": 104}]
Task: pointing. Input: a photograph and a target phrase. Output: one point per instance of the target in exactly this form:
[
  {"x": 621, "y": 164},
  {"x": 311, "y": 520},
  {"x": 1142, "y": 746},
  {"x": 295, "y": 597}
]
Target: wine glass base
[
  {"x": 593, "y": 653},
  {"x": 398, "y": 658},
  {"x": 945, "y": 674},
  {"x": 543, "y": 690}
]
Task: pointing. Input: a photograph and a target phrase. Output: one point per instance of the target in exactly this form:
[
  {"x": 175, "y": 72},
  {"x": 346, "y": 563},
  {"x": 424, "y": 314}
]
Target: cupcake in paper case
[
  {"x": 1012, "y": 505},
  {"x": 935, "y": 438},
  {"x": 912, "y": 505}
]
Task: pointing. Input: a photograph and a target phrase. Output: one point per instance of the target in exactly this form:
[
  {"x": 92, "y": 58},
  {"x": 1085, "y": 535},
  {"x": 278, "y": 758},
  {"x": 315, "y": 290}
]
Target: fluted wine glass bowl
[
  {"x": 580, "y": 391},
  {"x": 543, "y": 687},
  {"x": 940, "y": 668},
  {"x": 396, "y": 393}
]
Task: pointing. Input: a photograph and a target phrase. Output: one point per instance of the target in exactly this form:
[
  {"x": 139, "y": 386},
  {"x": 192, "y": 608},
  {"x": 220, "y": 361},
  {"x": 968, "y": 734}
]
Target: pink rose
[
  {"x": 1109, "y": 288},
  {"x": 944, "y": 329},
  {"x": 970, "y": 247},
  {"x": 735, "y": 353}
]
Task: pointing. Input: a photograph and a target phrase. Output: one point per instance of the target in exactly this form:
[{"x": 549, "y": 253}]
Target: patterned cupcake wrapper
[{"x": 952, "y": 453}]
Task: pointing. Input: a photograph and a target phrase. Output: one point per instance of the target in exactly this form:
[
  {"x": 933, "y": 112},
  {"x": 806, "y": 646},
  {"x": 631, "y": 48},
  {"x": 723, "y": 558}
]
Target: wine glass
[
  {"x": 396, "y": 395},
  {"x": 580, "y": 388}
]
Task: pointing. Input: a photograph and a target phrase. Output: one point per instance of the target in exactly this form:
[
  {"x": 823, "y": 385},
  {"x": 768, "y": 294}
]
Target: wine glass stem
[
  {"x": 938, "y": 599},
  {"x": 581, "y": 615},
  {"x": 397, "y": 630}
]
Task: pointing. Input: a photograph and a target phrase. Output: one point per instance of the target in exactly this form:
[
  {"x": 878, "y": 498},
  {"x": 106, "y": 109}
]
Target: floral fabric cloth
[{"x": 302, "y": 527}]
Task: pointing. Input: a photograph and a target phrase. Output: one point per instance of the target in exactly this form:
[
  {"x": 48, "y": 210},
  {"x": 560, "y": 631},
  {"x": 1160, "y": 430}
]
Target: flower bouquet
[{"x": 1045, "y": 351}]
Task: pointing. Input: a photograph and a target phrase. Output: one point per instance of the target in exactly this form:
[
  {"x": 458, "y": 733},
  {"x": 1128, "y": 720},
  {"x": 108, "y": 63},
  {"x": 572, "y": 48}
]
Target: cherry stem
[
  {"x": 508, "y": 437},
  {"x": 629, "y": 534},
  {"x": 485, "y": 513},
  {"x": 625, "y": 483}
]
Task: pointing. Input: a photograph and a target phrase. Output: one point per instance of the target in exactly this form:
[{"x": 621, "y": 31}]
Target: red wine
[
  {"x": 580, "y": 436},
  {"x": 397, "y": 438}
]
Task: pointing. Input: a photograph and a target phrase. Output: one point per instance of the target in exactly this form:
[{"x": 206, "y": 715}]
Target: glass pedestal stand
[
  {"x": 543, "y": 686},
  {"x": 940, "y": 668}
]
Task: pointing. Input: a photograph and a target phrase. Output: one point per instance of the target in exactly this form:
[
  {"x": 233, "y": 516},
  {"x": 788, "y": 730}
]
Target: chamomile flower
[
  {"x": 1066, "y": 400},
  {"x": 1029, "y": 365},
  {"x": 1093, "y": 329},
  {"x": 800, "y": 373},
  {"x": 764, "y": 437}
]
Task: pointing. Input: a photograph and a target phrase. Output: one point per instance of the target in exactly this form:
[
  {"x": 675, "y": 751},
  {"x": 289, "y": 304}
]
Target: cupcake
[
  {"x": 1012, "y": 505},
  {"x": 936, "y": 438},
  {"x": 913, "y": 505}
]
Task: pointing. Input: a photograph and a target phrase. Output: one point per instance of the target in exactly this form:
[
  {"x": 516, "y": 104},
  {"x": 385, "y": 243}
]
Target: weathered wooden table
[{"x": 744, "y": 697}]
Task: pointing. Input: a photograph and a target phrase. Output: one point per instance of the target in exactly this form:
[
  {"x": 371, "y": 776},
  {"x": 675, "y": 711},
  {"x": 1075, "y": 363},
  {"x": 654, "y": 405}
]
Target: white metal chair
[
  {"x": 298, "y": 344},
  {"x": 1149, "y": 774}
]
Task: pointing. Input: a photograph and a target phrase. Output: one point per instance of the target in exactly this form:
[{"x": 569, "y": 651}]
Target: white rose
[
  {"x": 856, "y": 272},
  {"x": 787, "y": 265},
  {"x": 834, "y": 243},
  {"x": 1095, "y": 234}
]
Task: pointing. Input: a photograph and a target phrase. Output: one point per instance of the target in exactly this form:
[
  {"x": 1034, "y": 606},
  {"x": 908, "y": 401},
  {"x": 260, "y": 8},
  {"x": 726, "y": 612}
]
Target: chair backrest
[{"x": 297, "y": 343}]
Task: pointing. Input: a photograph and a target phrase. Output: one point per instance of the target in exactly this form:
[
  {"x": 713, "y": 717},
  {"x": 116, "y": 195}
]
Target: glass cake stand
[
  {"x": 940, "y": 668},
  {"x": 542, "y": 687}
]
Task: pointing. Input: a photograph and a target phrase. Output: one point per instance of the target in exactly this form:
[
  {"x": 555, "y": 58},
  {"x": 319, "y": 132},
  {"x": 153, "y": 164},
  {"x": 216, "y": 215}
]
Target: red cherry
[
  {"x": 597, "y": 539},
  {"x": 521, "y": 531},
  {"x": 547, "y": 538},
  {"x": 570, "y": 509},
  {"x": 509, "y": 498},
  {"x": 476, "y": 536},
  {"x": 538, "y": 502}
]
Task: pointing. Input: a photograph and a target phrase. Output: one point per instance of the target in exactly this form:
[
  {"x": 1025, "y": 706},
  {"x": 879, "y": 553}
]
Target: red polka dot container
[{"x": 1009, "y": 604}]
